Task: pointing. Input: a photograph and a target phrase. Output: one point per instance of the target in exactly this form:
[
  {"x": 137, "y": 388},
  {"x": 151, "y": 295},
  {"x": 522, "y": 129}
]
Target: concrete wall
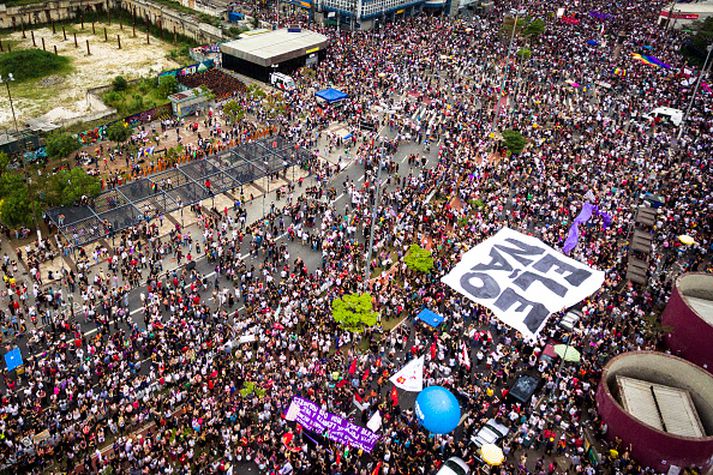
[
  {"x": 167, "y": 19},
  {"x": 170, "y": 20},
  {"x": 46, "y": 12},
  {"x": 691, "y": 336},
  {"x": 651, "y": 446}
]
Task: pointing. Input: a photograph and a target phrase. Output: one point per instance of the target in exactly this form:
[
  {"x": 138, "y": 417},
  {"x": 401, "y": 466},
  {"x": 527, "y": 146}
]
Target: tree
[
  {"x": 118, "y": 132},
  {"x": 4, "y": 161},
  {"x": 255, "y": 92},
  {"x": 419, "y": 259},
  {"x": 514, "y": 141},
  {"x": 167, "y": 85},
  {"x": 10, "y": 182},
  {"x": 68, "y": 186},
  {"x": 534, "y": 28},
  {"x": 696, "y": 44},
  {"x": 16, "y": 209},
  {"x": 524, "y": 54},
  {"x": 354, "y": 312},
  {"x": 234, "y": 111},
  {"x": 60, "y": 144},
  {"x": 119, "y": 84}
]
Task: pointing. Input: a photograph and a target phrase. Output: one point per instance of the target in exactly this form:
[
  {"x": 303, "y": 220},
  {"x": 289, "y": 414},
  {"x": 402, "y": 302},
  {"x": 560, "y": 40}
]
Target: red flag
[
  {"x": 353, "y": 367},
  {"x": 394, "y": 396},
  {"x": 433, "y": 350},
  {"x": 377, "y": 469},
  {"x": 366, "y": 375}
]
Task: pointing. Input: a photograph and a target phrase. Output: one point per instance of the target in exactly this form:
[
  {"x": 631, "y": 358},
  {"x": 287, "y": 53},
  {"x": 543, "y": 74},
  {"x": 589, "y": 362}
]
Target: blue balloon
[{"x": 437, "y": 410}]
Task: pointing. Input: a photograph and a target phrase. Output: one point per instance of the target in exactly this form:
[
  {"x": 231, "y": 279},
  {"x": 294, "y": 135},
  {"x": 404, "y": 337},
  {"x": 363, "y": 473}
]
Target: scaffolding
[{"x": 169, "y": 190}]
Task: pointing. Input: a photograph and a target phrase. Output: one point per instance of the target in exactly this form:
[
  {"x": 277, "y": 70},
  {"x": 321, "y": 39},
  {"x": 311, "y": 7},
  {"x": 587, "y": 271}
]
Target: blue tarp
[
  {"x": 331, "y": 95},
  {"x": 13, "y": 359},
  {"x": 430, "y": 318}
]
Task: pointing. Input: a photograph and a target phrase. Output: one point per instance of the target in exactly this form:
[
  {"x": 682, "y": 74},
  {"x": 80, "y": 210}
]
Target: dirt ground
[{"x": 65, "y": 97}]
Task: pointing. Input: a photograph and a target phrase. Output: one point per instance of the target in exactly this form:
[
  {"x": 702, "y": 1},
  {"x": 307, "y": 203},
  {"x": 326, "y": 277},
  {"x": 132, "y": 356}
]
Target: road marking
[
  {"x": 338, "y": 198},
  {"x": 361, "y": 178}
]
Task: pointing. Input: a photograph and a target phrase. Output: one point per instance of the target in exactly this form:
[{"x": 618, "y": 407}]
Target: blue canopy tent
[
  {"x": 429, "y": 317},
  {"x": 13, "y": 359},
  {"x": 331, "y": 95}
]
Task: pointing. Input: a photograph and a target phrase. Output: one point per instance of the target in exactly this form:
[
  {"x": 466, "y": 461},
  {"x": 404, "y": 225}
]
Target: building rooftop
[
  {"x": 666, "y": 408},
  {"x": 274, "y": 47}
]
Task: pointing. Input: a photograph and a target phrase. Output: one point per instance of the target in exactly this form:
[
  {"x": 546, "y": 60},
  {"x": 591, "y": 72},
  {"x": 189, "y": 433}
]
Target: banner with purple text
[{"x": 334, "y": 427}]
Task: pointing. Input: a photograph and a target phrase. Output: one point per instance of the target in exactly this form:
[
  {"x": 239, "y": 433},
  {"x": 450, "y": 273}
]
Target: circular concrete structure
[
  {"x": 652, "y": 446},
  {"x": 689, "y": 314}
]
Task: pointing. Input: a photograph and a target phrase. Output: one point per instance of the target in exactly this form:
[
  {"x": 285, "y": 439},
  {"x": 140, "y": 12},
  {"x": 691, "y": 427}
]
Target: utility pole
[{"x": 370, "y": 249}]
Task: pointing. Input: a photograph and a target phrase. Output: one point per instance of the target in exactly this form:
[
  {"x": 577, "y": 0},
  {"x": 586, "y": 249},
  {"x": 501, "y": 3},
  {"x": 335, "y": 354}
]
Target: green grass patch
[
  {"x": 138, "y": 96},
  {"x": 28, "y": 64}
]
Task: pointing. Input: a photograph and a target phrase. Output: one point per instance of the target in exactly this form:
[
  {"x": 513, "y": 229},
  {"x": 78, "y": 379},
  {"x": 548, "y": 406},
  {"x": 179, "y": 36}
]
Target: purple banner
[{"x": 334, "y": 427}]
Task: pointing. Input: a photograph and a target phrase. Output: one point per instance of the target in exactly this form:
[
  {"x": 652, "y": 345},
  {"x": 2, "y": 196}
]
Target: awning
[
  {"x": 331, "y": 95},
  {"x": 429, "y": 317}
]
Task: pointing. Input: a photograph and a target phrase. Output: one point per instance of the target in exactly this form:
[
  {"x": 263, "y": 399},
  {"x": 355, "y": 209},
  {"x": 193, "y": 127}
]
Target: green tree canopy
[
  {"x": 16, "y": 210},
  {"x": 11, "y": 182},
  {"x": 234, "y": 111},
  {"x": 534, "y": 28},
  {"x": 700, "y": 37},
  {"x": 419, "y": 259},
  {"x": 118, "y": 132},
  {"x": 60, "y": 144},
  {"x": 524, "y": 54},
  {"x": 514, "y": 141},
  {"x": 119, "y": 83},
  {"x": 167, "y": 85},
  {"x": 68, "y": 186},
  {"x": 354, "y": 312},
  {"x": 4, "y": 161}
]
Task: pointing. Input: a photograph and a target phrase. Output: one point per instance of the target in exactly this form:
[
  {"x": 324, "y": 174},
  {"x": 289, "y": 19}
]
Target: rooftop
[{"x": 276, "y": 46}]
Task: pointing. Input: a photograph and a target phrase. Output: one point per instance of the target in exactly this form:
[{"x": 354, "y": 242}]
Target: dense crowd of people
[{"x": 170, "y": 388}]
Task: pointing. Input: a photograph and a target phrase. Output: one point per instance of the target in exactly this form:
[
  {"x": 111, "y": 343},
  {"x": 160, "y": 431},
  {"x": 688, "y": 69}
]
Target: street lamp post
[
  {"x": 7, "y": 81},
  {"x": 373, "y": 221},
  {"x": 709, "y": 48},
  {"x": 517, "y": 14},
  {"x": 266, "y": 163}
]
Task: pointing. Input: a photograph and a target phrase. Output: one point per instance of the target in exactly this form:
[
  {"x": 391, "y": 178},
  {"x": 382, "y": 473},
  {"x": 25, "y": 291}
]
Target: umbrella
[
  {"x": 567, "y": 353},
  {"x": 492, "y": 454},
  {"x": 686, "y": 239}
]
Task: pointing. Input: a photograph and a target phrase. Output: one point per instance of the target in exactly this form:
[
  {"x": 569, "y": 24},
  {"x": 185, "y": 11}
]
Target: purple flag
[
  {"x": 571, "y": 241},
  {"x": 586, "y": 213},
  {"x": 334, "y": 427},
  {"x": 588, "y": 209}
]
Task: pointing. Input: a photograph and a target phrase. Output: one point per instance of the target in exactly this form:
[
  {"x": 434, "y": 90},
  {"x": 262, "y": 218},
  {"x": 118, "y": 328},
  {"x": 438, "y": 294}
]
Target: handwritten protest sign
[{"x": 334, "y": 427}]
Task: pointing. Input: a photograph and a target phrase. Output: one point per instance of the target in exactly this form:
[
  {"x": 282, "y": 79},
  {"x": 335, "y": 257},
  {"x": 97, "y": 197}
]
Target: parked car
[
  {"x": 454, "y": 466},
  {"x": 491, "y": 433}
]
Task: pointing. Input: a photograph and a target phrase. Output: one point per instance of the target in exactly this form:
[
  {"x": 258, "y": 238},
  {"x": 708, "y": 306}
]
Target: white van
[
  {"x": 675, "y": 116},
  {"x": 282, "y": 81}
]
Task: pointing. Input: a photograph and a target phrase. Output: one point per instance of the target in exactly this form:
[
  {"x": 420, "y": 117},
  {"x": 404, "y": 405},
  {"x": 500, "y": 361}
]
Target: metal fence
[{"x": 169, "y": 190}]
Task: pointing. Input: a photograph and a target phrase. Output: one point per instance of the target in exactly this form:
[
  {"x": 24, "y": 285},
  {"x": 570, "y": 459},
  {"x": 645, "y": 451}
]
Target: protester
[{"x": 166, "y": 389}]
